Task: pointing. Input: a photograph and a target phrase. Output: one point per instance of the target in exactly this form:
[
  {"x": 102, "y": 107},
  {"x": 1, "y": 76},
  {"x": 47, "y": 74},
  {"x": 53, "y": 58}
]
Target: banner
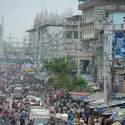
[{"x": 119, "y": 45}]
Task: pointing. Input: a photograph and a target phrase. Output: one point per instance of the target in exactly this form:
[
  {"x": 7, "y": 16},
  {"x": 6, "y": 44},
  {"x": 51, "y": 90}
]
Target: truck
[{"x": 40, "y": 116}]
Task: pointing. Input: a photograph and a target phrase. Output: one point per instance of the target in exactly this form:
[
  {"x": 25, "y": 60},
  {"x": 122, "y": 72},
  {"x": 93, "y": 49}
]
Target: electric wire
[
  {"x": 20, "y": 5},
  {"x": 12, "y": 2}
]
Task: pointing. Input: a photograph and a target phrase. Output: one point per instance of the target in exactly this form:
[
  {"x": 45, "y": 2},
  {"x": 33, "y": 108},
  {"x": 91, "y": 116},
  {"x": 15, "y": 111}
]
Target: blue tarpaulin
[
  {"x": 100, "y": 109},
  {"x": 82, "y": 98}
]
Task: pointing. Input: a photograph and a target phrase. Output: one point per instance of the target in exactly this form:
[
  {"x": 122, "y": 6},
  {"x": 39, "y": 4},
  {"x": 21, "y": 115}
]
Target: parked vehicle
[{"x": 40, "y": 116}]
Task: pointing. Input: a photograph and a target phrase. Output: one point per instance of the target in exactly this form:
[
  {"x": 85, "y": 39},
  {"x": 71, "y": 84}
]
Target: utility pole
[
  {"x": 105, "y": 72},
  {"x": 10, "y": 38},
  {"x": 78, "y": 52},
  {"x": 113, "y": 63},
  {"x": 37, "y": 48}
]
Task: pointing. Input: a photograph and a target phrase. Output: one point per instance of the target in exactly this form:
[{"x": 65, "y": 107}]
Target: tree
[
  {"x": 59, "y": 66},
  {"x": 61, "y": 79}
]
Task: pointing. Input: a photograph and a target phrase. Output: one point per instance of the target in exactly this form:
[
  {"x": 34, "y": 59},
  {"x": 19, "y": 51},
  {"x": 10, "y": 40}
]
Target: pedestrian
[
  {"x": 13, "y": 122},
  {"x": 22, "y": 121},
  {"x": 123, "y": 122},
  {"x": 1, "y": 121},
  {"x": 30, "y": 122}
]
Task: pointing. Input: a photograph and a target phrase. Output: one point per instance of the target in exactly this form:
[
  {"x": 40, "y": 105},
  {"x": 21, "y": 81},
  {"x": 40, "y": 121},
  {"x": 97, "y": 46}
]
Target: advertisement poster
[{"x": 119, "y": 45}]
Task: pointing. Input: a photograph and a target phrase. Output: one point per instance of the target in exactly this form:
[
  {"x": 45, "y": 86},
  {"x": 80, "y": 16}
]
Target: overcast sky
[{"x": 19, "y": 14}]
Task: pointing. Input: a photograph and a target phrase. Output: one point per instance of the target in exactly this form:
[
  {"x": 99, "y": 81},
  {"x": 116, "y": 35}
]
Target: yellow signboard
[{"x": 29, "y": 69}]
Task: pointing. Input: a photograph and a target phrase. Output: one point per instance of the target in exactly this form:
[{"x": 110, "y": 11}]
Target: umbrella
[
  {"x": 64, "y": 116},
  {"x": 120, "y": 113},
  {"x": 58, "y": 115},
  {"x": 117, "y": 116},
  {"x": 82, "y": 98},
  {"x": 94, "y": 87},
  {"x": 116, "y": 123}
]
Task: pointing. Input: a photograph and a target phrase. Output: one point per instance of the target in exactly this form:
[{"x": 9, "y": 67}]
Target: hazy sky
[{"x": 19, "y": 14}]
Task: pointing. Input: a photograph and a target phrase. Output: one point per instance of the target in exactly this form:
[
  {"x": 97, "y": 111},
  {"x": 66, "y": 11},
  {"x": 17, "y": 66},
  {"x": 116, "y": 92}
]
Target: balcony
[
  {"x": 88, "y": 21},
  {"x": 87, "y": 37}
]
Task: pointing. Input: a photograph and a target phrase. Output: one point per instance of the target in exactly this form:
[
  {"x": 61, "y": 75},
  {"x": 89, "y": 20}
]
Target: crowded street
[
  {"x": 62, "y": 62},
  {"x": 22, "y": 103}
]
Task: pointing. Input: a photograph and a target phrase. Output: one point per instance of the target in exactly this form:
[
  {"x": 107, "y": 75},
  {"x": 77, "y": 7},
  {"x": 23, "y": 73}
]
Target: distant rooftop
[
  {"x": 46, "y": 25},
  {"x": 63, "y": 22}
]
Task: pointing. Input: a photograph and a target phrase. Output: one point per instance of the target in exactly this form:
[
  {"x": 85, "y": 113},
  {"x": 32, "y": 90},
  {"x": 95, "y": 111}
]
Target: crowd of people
[
  {"x": 14, "y": 112},
  {"x": 63, "y": 109}
]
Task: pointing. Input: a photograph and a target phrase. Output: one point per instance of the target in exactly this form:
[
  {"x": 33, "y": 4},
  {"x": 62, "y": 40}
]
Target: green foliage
[
  {"x": 78, "y": 84},
  {"x": 88, "y": 89},
  {"x": 61, "y": 79},
  {"x": 60, "y": 65}
]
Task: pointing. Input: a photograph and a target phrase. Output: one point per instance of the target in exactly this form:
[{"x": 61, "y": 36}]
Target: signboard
[
  {"x": 112, "y": 95},
  {"x": 99, "y": 13},
  {"x": 119, "y": 45}
]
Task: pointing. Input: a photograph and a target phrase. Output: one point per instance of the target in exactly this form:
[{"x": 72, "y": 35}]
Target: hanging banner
[{"x": 119, "y": 45}]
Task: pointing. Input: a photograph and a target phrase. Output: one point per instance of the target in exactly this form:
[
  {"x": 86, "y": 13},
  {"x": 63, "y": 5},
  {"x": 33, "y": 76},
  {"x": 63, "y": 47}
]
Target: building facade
[
  {"x": 55, "y": 41},
  {"x": 95, "y": 21},
  {"x": 115, "y": 46},
  {"x": 91, "y": 25}
]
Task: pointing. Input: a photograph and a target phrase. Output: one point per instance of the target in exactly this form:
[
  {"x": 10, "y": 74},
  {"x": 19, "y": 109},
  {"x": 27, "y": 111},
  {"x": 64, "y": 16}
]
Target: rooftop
[
  {"x": 93, "y": 3},
  {"x": 75, "y": 17},
  {"x": 46, "y": 25}
]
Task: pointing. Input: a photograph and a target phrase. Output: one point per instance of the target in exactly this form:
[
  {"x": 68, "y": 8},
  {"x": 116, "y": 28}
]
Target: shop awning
[{"x": 78, "y": 93}]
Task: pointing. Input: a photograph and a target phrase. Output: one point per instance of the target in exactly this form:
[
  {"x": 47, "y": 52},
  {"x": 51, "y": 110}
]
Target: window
[
  {"x": 90, "y": 14},
  {"x": 39, "y": 35},
  {"x": 85, "y": 16},
  {"x": 80, "y": 34},
  {"x": 87, "y": 31},
  {"x": 83, "y": 32},
  {"x": 75, "y": 34},
  {"x": 90, "y": 30},
  {"x": 69, "y": 34}
]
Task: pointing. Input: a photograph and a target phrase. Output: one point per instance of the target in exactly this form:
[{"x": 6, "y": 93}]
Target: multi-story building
[
  {"x": 95, "y": 16},
  {"x": 91, "y": 25},
  {"x": 54, "y": 40},
  {"x": 115, "y": 46}
]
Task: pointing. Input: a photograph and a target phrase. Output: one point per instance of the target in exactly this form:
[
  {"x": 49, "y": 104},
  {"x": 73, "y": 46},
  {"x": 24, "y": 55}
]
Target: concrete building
[
  {"x": 92, "y": 24},
  {"x": 115, "y": 46},
  {"x": 54, "y": 40},
  {"x": 95, "y": 16}
]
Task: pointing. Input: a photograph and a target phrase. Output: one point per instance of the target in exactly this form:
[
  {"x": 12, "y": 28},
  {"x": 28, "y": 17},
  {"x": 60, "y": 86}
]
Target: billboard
[{"x": 119, "y": 45}]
